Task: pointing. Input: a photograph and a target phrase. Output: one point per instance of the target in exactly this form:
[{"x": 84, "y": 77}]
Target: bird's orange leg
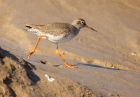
[
  {"x": 63, "y": 59},
  {"x": 36, "y": 45}
]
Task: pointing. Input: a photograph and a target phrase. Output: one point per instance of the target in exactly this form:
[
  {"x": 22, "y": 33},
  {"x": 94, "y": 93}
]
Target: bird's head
[{"x": 81, "y": 23}]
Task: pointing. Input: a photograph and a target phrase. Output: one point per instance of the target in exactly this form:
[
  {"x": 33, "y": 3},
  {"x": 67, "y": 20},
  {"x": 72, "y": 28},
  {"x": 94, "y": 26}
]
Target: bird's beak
[{"x": 90, "y": 28}]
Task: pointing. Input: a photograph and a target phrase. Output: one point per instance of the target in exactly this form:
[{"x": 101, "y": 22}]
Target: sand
[{"x": 108, "y": 61}]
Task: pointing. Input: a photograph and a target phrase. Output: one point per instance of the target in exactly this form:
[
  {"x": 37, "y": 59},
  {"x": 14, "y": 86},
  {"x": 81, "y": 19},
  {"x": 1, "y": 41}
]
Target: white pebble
[{"x": 50, "y": 79}]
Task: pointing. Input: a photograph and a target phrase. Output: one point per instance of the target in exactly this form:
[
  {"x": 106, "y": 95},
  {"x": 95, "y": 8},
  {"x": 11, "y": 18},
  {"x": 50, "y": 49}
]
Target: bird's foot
[
  {"x": 30, "y": 53},
  {"x": 67, "y": 65}
]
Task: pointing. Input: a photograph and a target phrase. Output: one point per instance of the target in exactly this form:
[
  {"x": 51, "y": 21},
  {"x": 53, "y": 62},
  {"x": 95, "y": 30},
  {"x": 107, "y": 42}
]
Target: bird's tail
[{"x": 30, "y": 28}]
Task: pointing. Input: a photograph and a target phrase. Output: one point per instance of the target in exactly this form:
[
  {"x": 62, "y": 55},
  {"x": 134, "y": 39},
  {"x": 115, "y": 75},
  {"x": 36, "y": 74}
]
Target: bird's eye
[{"x": 82, "y": 22}]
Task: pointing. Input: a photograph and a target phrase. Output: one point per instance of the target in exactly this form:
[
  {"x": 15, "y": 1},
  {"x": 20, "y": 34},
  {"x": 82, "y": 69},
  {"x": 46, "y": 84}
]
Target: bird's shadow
[
  {"x": 90, "y": 65},
  {"x": 28, "y": 67},
  {"x": 96, "y": 66}
]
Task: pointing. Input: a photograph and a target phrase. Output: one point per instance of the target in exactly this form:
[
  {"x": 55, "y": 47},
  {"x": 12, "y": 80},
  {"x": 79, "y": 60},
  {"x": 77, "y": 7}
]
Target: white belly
[
  {"x": 54, "y": 38},
  {"x": 60, "y": 38}
]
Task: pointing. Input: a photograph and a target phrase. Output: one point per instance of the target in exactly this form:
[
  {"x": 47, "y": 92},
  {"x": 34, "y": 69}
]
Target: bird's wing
[{"x": 54, "y": 28}]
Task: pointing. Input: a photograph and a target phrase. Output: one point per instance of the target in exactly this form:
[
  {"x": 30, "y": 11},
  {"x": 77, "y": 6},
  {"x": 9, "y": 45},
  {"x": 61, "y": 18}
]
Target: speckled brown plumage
[{"x": 55, "y": 28}]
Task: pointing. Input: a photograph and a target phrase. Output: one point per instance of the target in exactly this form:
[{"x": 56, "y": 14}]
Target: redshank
[{"x": 57, "y": 33}]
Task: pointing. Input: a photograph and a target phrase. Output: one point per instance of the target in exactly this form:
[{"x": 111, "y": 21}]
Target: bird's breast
[{"x": 62, "y": 37}]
